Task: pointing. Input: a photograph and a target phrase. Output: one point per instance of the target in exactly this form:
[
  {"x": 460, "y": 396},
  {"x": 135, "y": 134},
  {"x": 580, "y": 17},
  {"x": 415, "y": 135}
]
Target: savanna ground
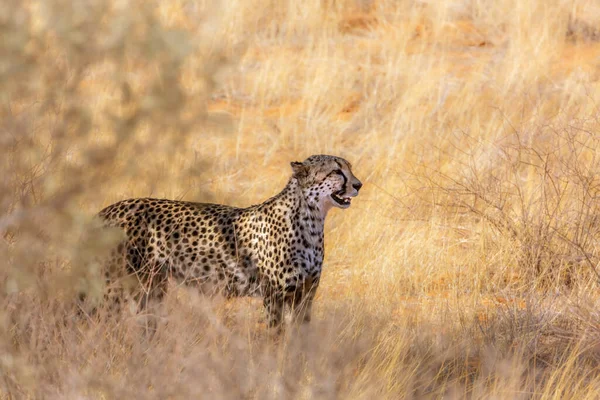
[{"x": 467, "y": 267}]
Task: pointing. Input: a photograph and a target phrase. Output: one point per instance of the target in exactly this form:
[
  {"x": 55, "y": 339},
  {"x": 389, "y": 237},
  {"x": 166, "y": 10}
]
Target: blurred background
[{"x": 467, "y": 267}]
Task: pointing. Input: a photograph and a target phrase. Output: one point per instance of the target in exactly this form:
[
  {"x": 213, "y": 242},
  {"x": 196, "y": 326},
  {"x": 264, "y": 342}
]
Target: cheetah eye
[{"x": 337, "y": 172}]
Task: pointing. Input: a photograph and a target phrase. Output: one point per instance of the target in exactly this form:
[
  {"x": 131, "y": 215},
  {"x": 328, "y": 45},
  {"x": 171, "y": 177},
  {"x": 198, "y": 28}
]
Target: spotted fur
[{"x": 273, "y": 249}]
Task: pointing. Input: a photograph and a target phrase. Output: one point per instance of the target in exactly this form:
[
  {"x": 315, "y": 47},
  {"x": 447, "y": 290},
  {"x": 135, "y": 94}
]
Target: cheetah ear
[{"x": 300, "y": 170}]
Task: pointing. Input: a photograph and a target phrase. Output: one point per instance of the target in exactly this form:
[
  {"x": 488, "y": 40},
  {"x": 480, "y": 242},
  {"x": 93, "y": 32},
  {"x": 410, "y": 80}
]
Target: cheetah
[{"x": 273, "y": 250}]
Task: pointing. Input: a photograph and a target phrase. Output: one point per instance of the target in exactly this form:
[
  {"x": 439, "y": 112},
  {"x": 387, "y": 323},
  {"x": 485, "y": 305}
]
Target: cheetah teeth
[{"x": 341, "y": 200}]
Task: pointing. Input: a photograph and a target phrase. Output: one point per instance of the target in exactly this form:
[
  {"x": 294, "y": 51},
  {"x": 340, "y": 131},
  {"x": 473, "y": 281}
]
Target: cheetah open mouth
[{"x": 340, "y": 199}]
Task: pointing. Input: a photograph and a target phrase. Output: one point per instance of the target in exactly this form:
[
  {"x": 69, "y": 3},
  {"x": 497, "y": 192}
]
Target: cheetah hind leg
[
  {"x": 130, "y": 293},
  {"x": 152, "y": 288},
  {"x": 112, "y": 303}
]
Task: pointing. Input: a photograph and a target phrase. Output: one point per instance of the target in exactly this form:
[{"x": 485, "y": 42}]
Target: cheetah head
[{"x": 326, "y": 181}]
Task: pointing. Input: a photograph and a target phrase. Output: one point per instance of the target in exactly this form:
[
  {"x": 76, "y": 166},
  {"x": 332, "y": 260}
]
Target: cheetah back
[{"x": 198, "y": 243}]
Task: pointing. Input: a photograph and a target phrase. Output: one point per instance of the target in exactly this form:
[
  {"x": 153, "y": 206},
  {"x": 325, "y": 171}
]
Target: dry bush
[
  {"x": 537, "y": 187},
  {"x": 466, "y": 268}
]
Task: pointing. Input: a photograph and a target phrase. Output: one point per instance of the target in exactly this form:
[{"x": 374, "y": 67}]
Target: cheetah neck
[
  {"x": 315, "y": 211},
  {"x": 310, "y": 215}
]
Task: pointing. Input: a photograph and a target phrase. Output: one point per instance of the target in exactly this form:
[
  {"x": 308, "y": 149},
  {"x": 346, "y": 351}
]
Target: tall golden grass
[{"x": 467, "y": 267}]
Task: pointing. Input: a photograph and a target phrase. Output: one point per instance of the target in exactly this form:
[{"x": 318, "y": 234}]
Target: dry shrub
[
  {"x": 537, "y": 187},
  {"x": 61, "y": 141}
]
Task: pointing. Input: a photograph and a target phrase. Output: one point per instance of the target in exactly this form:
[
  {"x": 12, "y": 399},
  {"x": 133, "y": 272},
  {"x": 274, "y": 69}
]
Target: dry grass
[{"x": 466, "y": 268}]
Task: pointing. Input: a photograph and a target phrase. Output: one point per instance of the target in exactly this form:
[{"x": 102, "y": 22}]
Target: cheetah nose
[{"x": 357, "y": 186}]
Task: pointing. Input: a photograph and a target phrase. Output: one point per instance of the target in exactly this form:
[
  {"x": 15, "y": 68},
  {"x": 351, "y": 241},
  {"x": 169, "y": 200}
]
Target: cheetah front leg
[
  {"x": 301, "y": 300},
  {"x": 274, "y": 302},
  {"x": 303, "y": 312}
]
